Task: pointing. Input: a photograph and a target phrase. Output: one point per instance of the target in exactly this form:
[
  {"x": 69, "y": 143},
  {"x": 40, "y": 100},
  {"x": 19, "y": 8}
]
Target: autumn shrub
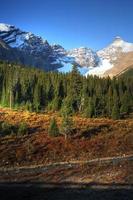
[
  {"x": 5, "y": 128},
  {"x": 22, "y": 129}
]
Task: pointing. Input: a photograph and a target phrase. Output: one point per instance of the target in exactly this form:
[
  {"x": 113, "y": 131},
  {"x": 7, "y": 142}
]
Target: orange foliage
[{"x": 93, "y": 138}]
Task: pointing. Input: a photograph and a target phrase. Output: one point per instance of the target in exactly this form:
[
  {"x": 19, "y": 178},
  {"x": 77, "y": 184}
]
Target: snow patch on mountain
[
  {"x": 18, "y": 42},
  {"x": 103, "y": 66},
  {"x": 5, "y": 27},
  {"x": 120, "y": 43}
]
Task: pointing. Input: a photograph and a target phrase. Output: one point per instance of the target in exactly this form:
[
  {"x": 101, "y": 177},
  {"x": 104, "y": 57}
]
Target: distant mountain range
[{"x": 28, "y": 49}]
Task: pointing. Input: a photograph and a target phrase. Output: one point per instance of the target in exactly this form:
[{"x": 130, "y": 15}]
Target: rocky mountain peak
[
  {"x": 84, "y": 56},
  {"x": 118, "y": 38},
  {"x": 6, "y": 27},
  {"x": 29, "y": 49}
]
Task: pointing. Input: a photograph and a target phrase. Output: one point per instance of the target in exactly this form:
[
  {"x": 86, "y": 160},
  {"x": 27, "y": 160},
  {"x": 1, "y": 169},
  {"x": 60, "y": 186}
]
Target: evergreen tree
[
  {"x": 37, "y": 97},
  {"x": 66, "y": 126},
  {"x": 53, "y": 128},
  {"x": 125, "y": 104},
  {"x": 75, "y": 87},
  {"x": 115, "y": 112},
  {"x": 89, "y": 109},
  {"x": 67, "y": 107},
  {"x": 34, "y": 89},
  {"x": 109, "y": 102}
]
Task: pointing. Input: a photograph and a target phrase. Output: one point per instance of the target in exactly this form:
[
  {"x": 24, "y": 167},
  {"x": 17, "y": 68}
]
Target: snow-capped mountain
[
  {"x": 17, "y": 38},
  {"x": 29, "y": 49},
  {"x": 84, "y": 56},
  {"x": 116, "y": 47},
  {"x": 33, "y": 50},
  {"x": 110, "y": 56}
]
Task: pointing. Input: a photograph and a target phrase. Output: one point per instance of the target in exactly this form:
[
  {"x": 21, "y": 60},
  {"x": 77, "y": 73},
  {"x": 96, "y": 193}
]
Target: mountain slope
[
  {"x": 28, "y": 49},
  {"x": 127, "y": 73},
  {"x": 112, "y": 58},
  {"x": 112, "y": 51},
  {"x": 84, "y": 56},
  {"x": 124, "y": 63},
  {"x": 38, "y": 52},
  {"x": 7, "y": 53},
  {"x": 31, "y": 49}
]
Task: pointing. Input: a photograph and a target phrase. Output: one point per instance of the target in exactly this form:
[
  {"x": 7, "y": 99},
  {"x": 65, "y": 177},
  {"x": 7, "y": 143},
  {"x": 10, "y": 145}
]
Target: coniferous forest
[{"x": 35, "y": 90}]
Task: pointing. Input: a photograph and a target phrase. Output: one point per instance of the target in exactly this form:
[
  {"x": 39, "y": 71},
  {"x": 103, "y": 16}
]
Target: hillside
[
  {"x": 64, "y": 130},
  {"x": 124, "y": 63},
  {"x": 127, "y": 73},
  {"x": 92, "y": 138},
  {"x": 95, "y": 162}
]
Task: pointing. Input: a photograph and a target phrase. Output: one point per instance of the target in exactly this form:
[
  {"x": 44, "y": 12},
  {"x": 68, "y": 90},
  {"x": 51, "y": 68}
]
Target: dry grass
[{"x": 93, "y": 138}]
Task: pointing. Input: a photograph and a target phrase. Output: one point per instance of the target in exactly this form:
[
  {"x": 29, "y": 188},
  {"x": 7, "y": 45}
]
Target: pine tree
[
  {"x": 88, "y": 107},
  {"x": 37, "y": 97},
  {"x": 75, "y": 87},
  {"x": 125, "y": 104},
  {"x": 115, "y": 112},
  {"x": 66, "y": 126},
  {"x": 53, "y": 128},
  {"x": 67, "y": 108},
  {"x": 109, "y": 102}
]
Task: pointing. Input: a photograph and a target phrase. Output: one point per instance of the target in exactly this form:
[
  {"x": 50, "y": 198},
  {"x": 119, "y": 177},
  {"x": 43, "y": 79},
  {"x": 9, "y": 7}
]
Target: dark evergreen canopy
[{"x": 36, "y": 90}]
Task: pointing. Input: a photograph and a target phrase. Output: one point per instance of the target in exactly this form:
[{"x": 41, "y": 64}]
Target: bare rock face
[{"x": 85, "y": 57}]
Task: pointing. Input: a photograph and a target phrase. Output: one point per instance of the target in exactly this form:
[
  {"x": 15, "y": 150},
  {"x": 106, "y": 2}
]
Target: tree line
[{"x": 35, "y": 90}]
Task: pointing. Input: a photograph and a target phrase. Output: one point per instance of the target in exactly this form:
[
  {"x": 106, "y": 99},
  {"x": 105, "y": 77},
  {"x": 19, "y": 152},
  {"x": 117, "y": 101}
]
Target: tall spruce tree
[{"x": 75, "y": 87}]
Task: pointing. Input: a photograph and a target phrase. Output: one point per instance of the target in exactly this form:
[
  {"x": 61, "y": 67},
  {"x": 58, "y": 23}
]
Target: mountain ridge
[{"x": 29, "y": 49}]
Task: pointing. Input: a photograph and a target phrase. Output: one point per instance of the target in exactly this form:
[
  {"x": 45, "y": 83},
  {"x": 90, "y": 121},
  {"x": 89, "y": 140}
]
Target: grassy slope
[
  {"x": 93, "y": 138},
  {"x": 127, "y": 73}
]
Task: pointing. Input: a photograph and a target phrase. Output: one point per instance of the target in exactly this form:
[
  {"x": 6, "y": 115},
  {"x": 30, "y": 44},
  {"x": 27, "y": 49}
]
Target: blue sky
[{"x": 72, "y": 23}]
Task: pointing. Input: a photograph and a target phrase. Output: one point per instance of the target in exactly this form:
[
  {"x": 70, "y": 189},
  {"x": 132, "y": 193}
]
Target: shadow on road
[{"x": 65, "y": 191}]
